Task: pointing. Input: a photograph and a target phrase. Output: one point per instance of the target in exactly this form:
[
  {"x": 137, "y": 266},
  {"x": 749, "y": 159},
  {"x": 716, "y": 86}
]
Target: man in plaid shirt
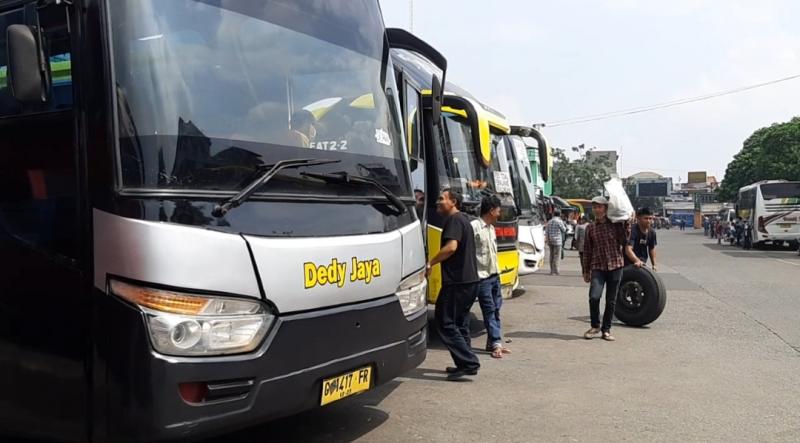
[{"x": 602, "y": 263}]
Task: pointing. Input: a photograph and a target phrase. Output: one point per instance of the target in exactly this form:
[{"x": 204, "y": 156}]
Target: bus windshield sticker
[
  {"x": 502, "y": 182},
  {"x": 382, "y": 137}
]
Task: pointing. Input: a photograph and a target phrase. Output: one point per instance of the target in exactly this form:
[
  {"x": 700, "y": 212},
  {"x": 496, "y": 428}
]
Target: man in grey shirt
[
  {"x": 555, "y": 231},
  {"x": 580, "y": 237}
]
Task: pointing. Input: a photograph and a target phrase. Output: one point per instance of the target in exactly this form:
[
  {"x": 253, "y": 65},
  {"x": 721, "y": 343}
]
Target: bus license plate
[{"x": 345, "y": 385}]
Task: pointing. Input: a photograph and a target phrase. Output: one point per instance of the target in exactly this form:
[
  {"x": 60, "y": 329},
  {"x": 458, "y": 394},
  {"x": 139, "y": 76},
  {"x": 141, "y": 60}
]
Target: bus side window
[
  {"x": 417, "y": 155},
  {"x": 38, "y": 181}
]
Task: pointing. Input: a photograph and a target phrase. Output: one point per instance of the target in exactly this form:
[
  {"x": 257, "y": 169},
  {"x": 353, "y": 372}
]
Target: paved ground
[{"x": 721, "y": 364}]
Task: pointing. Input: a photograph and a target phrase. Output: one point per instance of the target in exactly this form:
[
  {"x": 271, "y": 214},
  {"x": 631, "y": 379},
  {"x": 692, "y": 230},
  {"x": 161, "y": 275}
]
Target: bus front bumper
[{"x": 142, "y": 401}]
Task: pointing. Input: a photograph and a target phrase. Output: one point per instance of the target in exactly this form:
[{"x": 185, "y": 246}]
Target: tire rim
[{"x": 631, "y": 295}]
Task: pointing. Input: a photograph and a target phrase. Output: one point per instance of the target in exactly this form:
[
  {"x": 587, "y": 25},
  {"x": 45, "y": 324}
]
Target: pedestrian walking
[
  {"x": 642, "y": 242},
  {"x": 580, "y": 236},
  {"x": 555, "y": 231},
  {"x": 459, "y": 284},
  {"x": 720, "y": 232},
  {"x": 602, "y": 266},
  {"x": 489, "y": 297}
]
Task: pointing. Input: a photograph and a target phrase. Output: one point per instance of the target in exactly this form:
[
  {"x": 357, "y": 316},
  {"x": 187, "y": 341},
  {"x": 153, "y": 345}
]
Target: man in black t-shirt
[
  {"x": 459, "y": 285},
  {"x": 642, "y": 243}
]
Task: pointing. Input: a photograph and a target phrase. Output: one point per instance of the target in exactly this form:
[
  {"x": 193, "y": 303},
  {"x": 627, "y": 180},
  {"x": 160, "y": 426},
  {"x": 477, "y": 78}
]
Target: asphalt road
[{"x": 721, "y": 364}]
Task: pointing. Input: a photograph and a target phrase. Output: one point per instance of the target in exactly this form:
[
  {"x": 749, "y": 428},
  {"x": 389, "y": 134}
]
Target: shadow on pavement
[
  {"x": 586, "y": 319},
  {"x": 343, "y": 421},
  {"x": 542, "y": 335},
  {"x": 426, "y": 374}
]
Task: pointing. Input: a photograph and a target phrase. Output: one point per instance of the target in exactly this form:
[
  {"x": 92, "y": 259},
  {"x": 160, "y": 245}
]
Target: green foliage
[
  {"x": 770, "y": 153},
  {"x": 579, "y": 178}
]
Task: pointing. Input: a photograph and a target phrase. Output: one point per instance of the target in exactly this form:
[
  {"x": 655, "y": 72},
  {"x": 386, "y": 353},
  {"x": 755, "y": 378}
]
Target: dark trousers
[
  {"x": 609, "y": 279},
  {"x": 452, "y": 322}
]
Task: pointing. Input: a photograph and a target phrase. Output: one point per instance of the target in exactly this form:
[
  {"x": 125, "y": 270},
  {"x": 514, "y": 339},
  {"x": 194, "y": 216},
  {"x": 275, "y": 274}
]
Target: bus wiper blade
[
  {"x": 266, "y": 172},
  {"x": 345, "y": 178}
]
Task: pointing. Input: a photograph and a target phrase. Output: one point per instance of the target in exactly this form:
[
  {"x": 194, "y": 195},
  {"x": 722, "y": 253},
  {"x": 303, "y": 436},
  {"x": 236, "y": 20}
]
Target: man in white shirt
[{"x": 489, "y": 297}]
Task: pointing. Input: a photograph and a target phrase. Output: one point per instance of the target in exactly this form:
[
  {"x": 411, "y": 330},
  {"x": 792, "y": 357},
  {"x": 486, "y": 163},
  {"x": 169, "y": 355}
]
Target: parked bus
[
  {"x": 530, "y": 235},
  {"x": 773, "y": 209},
  {"x": 206, "y": 215},
  {"x": 455, "y": 147}
]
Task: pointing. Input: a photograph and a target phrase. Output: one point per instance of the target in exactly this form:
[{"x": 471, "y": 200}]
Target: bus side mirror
[
  {"x": 26, "y": 75},
  {"x": 436, "y": 100}
]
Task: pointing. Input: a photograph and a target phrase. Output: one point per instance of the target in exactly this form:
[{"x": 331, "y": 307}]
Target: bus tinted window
[
  {"x": 780, "y": 190},
  {"x": 38, "y": 202}
]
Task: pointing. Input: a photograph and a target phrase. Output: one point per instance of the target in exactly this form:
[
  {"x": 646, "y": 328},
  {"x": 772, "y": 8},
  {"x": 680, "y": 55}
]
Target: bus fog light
[
  {"x": 191, "y": 325},
  {"x": 412, "y": 293}
]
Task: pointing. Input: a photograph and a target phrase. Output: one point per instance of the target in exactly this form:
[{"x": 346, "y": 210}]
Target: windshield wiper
[
  {"x": 345, "y": 178},
  {"x": 265, "y": 174}
]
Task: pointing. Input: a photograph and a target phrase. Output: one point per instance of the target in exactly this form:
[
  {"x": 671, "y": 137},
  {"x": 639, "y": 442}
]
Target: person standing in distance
[
  {"x": 489, "y": 296},
  {"x": 642, "y": 243},
  {"x": 602, "y": 266},
  {"x": 555, "y": 231},
  {"x": 459, "y": 284}
]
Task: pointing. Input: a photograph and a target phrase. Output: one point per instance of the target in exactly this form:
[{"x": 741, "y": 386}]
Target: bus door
[{"x": 44, "y": 309}]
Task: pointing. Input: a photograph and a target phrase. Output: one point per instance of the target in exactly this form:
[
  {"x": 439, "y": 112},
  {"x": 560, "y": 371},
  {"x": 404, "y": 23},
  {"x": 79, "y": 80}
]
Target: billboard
[
  {"x": 653, "y": 189},
  {"x": 697, "y": 177}
]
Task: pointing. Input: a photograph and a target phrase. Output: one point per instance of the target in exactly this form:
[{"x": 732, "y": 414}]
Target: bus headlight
[
  {"x": 192, "y": 325},
  {"x": 526, "y": 248},
  {"x": 412, "y": 293}
]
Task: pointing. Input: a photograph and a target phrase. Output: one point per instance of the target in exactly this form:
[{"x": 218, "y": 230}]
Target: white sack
[{"x": 619, "y": 205}]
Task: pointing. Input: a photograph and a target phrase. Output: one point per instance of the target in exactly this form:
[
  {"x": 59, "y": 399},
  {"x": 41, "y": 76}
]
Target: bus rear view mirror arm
[{"x": 27, "y": 70}]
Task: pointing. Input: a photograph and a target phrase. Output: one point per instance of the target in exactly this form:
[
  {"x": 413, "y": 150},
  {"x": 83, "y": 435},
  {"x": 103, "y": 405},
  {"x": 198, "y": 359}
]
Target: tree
[
  {"x": 580, "y": 178},
  {"x": 770, "y": 153}
]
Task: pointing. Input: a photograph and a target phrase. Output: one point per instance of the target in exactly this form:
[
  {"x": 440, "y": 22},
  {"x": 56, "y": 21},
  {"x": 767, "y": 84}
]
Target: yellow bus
[{"x": 453, "y": 147}]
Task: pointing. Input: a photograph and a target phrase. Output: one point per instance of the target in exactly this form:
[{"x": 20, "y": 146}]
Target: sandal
[
  {"x": 497, "y": 352},
  {"x": 608, "y": 337},
  {"x": 506, "y": 350}
]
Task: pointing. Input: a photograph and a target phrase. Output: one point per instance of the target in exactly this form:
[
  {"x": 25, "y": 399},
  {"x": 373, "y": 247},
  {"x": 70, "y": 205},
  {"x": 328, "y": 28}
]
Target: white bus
[{"x": 773, "y": 208}]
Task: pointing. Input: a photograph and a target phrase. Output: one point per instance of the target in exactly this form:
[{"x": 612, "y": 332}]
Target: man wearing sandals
[
  {"x": 489, "y": 297},
  {"x": 602, "y": 264}
]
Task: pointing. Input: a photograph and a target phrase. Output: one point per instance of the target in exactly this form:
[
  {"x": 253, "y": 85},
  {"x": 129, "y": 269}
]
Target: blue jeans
[
  {"x": 609, "y": 279},
  {"x": 490, "y": 300}
]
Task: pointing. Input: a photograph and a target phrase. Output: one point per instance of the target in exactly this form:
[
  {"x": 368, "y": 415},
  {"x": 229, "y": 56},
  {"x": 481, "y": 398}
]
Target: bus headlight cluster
[
  {"x": 526, "y": 248},
  {"x": 412, "y": 293},
  {"x": 192, "y": 325}
]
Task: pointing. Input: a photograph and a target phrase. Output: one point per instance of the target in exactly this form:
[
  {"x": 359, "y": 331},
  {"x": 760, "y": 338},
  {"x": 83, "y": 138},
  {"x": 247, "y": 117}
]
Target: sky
[{"x": 544, "y": 61}]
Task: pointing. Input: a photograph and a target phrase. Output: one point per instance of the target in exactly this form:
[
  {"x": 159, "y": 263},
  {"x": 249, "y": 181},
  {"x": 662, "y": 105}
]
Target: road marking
[{"x": 787, "y": 262}]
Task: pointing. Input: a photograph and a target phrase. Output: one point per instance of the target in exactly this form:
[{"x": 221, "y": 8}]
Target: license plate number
[
  {"x": 785, "y": 225},
  {"x": 345, "y": 385}
]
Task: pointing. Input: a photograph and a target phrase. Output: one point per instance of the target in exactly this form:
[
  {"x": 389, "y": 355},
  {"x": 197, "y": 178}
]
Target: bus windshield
[
  {"x": 458, "y": 166},
  {"x": 207, "y": 92},
  {"x": 770, "y": 191}
]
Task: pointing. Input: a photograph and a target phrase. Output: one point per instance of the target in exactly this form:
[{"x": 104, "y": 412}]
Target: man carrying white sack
[{"x": 602, "y": 263}]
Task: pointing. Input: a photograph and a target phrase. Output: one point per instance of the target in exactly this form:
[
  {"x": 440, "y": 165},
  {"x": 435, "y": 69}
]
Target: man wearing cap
[{"x": 602, "y": 263}]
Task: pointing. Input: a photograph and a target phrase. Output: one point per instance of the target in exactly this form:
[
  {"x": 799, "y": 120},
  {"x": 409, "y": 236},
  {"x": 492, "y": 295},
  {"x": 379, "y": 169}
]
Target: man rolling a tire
[
  {"x": 602, "y": 264},
  {"x": 642, "y": 242}
]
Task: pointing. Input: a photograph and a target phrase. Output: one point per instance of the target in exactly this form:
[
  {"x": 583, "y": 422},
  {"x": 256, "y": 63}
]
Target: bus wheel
[{"x": 641, "y": 298}]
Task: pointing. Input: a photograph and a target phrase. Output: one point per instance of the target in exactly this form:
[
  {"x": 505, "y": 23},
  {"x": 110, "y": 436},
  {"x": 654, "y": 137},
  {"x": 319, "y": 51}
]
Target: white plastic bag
[{"x": 619, "y": 205}]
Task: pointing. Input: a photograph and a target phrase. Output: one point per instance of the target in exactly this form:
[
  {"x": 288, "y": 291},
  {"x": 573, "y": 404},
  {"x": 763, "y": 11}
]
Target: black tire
[{"x": 641, "y": 298}]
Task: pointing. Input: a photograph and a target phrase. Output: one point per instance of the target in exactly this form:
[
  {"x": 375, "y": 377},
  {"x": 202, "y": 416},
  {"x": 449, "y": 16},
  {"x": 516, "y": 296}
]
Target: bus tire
[{"x": 641, "y": 298}]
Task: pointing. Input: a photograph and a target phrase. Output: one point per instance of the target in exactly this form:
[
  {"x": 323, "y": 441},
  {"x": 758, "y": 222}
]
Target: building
[
  {"x": 608, "y": 159},
  {"x": 649, "y": 184}
]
